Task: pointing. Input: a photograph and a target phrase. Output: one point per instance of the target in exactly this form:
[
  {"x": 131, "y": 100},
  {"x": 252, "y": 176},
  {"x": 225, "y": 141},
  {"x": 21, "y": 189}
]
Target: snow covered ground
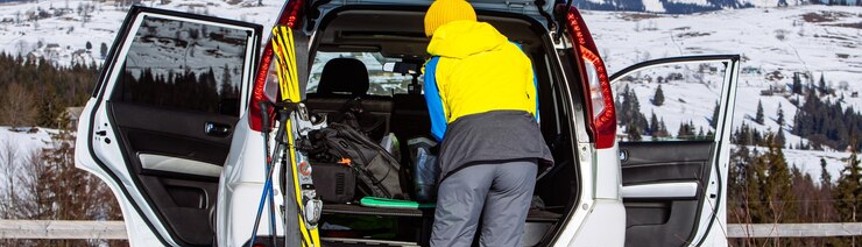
[
  {"x": 17, "y": 146},
  {"x": 774, "y": 43},
  {"x": 62, "y": 34}
]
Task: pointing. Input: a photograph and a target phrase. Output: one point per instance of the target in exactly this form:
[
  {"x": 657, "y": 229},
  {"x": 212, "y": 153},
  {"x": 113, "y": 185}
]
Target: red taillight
[
  {"x": 594, "y": 77},
  {"x": 291, "y": 16}
]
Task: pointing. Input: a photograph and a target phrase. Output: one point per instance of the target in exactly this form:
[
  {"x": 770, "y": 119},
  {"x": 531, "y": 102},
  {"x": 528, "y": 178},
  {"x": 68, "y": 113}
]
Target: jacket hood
[{"x": 459, "y": 39}]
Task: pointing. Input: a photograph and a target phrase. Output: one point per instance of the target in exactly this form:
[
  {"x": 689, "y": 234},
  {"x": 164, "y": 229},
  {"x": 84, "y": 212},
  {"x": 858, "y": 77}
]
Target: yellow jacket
[{"x": 475, "y": 69}]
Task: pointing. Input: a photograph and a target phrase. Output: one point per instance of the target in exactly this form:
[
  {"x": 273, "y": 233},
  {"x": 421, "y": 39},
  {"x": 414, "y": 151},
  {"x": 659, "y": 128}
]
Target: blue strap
[
  {"x": 535, "y": 83},
  {"x": 432, "y": 99}
]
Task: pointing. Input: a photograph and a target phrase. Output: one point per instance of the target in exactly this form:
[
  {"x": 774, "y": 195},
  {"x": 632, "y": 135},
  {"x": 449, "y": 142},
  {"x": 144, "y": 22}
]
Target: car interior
[{"x": 358, "y": 34}]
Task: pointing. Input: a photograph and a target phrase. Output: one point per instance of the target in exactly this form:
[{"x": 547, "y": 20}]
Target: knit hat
[{"x": 445, "y": 11}]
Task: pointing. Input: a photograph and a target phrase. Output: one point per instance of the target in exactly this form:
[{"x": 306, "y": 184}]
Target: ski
[{"x": 302, "y": 200}]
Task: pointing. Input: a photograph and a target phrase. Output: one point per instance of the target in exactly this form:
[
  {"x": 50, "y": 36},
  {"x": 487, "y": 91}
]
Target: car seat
[{"x": 344, "y": 80}]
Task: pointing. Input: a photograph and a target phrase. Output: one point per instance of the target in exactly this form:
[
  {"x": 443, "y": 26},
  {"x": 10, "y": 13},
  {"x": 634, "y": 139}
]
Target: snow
[
  {"x": 655, "y": 6},
  {"x": 812, "y": 39},
  {"x": 770, "y": 40},
  {"x": 63, "y": 38},
  {"x": 17, "y": 146}
]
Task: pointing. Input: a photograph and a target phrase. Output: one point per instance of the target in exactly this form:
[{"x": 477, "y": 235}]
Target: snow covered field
[
  {"x": 774, "y": 43},
  {"x": 16, "y": 148}
]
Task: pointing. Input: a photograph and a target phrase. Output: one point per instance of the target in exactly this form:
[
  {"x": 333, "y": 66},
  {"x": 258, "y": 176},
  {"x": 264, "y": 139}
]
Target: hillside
[{"x": 775, "y": 43}]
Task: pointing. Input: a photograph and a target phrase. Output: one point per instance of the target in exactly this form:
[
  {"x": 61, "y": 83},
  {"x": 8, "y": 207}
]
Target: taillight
[
  {"x": 291, "y": 16},
  {"x": 594, "y": 77}
]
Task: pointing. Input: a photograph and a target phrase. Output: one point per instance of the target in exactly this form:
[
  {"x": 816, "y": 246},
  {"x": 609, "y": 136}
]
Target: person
[{"x": 482, "y": 100}]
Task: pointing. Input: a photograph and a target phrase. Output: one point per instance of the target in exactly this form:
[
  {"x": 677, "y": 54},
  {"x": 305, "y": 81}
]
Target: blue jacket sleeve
[
  {"x": 536, "y": 87},
  {"x": 432, "y": 99}
]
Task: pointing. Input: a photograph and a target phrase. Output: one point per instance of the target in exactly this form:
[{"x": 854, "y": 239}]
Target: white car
[{"x": 174, "y": 126}]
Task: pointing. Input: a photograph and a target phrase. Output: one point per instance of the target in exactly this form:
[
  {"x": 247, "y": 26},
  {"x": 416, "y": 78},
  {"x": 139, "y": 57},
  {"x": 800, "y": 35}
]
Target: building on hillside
[
  {"x": 842, "y": 2},
  {"x": 70, "y": 117}
]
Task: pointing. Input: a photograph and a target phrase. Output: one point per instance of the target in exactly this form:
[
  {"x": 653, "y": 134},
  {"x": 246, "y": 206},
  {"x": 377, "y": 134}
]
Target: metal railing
[{"x": 62, "y": 229}]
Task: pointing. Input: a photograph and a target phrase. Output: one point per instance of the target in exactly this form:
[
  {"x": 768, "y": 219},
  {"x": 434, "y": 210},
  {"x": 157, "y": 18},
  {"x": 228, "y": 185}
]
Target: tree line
[
  {"x": 828, "y": 123},
  {"x": 44, "y": 184},
  {"x": 764, "y": 188},
  {"x": 35, "y": 91},
  {"x": 637, "y": 125}
]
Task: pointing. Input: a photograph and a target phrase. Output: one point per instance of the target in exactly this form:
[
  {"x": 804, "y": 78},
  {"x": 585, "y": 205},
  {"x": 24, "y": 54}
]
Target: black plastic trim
[
  {"x": 701, "y": 58},
  {"x": 99, "y": 90}
]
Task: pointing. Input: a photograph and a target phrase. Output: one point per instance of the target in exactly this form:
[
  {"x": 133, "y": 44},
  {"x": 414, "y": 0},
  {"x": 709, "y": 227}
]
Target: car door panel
[
  {"x": 161, "y": 121},
  {"x": 672, "y": 177},
  {"x": 666, "y": 212}
]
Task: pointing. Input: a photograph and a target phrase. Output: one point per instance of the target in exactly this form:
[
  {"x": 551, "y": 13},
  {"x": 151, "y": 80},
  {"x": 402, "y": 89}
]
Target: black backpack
[{"x": 377, "y": 170}]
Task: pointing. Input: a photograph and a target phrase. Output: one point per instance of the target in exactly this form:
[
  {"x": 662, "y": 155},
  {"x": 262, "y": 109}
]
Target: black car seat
[{"x": 345, "y": 80}]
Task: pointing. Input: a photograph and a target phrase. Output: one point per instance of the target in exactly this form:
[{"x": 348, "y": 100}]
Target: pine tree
[
  {"x": 780, "y": 139},
  {"x": 821, "y": 85},
  {"x": 825, "y": 177},
  {"x": 758, "y": 118},
  {"x": 780, "y": 179},
  {"x": 653, "y": 125},
  {"x": 633, "y": 133},
  {"x": 103, "y": 50},
  {"x": 658, "y": 98},
  {"x": 797, "y": 84},
  {"x": 714, "y": 121},
  {"x": 847, "y": 194},
  {"x": 780, "y": 116}
]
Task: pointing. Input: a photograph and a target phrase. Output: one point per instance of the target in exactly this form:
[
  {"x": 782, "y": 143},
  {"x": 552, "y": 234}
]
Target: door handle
[{"x": 216, "y": 129}]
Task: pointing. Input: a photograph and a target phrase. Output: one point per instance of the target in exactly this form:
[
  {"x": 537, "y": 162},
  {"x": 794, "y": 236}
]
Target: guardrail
[{"x": 62, "y": 229}]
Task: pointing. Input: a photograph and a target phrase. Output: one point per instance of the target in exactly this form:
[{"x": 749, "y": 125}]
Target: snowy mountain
[
  {"x": 775, "y": 44},
  {"x": 74, "y": 31},
  {"x": 682, "y": 6}
]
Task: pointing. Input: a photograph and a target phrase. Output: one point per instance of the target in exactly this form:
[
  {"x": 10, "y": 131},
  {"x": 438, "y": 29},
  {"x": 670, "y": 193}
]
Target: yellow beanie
[{"x": 445, "y": 11}]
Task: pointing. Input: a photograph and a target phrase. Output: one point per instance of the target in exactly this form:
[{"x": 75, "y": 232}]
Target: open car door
[
  {"x": 159, "y": 125},
  {"x": 674, "y": 123}
]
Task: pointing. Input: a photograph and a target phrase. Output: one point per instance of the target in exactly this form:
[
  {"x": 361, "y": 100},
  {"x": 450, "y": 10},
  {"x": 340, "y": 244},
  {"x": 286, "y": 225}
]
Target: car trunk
[{"x": 398, "y": 34}]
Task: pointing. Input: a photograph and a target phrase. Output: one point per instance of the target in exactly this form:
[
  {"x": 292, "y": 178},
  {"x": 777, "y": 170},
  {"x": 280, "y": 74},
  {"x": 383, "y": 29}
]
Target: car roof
[{"x": 523, "y": 7}]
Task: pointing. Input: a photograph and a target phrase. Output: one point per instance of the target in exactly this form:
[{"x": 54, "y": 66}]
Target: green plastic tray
[{"x": 377, "y": 202}]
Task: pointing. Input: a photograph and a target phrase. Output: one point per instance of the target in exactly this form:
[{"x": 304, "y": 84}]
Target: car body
[{"x": 174, "y": 125}]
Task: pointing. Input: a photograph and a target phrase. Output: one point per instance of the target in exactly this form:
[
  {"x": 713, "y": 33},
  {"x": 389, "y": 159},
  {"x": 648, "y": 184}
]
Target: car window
[
  {"x": 382, "y": 83},
  {"x": 677, "y": 102},
  {"x": 184, "y": 65}
]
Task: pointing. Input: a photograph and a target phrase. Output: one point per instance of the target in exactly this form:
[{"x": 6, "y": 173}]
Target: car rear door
[
  {"x": 674, "y": 119},
  {"x": 539, "y": 10},
  {"x": 158, "y": 127}
]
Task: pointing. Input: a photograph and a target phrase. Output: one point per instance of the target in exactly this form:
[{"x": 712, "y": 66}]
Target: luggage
[
  {"x": 425, "y": 169},
  {"x": 334, "y": 183},
  {"x": 377, "y": 170}
]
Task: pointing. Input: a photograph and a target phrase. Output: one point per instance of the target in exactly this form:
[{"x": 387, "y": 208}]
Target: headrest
[{"x": 343, "y": 75}]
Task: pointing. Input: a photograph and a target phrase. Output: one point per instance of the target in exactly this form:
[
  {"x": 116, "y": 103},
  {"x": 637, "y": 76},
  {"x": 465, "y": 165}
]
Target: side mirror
[{"x": 402, "y": 67}]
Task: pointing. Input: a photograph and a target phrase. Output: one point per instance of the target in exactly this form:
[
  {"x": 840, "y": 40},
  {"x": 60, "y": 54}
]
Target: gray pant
[{"x": 500, "y": 193}]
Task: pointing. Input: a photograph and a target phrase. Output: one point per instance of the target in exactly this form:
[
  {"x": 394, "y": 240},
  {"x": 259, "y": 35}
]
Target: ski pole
[
  {"x": 265, "y": 131},
  {"x": 267, "y": 186}
]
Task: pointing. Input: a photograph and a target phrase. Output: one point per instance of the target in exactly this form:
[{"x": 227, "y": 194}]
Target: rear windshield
[{"x": 382, "y": 83}]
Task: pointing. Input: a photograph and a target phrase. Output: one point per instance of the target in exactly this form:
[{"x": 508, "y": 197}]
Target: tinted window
[
  {"x": 380, "y": 82},
  {"x": 677, "y": 102},
  {"x": 183, "y": 65}
]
